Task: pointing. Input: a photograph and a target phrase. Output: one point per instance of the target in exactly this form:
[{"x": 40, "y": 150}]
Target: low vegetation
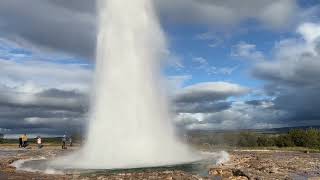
[
  {"x": 1, "y": 138},
  {"x": 309, "y": 138}
]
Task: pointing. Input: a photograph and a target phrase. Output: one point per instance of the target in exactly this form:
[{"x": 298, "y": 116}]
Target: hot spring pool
[{"x": 43, "y": 165}]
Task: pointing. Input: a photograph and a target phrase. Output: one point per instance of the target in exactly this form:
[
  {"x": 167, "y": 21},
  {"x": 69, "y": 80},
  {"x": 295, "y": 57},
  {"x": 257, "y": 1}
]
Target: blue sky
[{"x": 245, "y": 65}]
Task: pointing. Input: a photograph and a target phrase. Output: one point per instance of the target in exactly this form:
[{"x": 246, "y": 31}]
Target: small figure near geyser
[
  {"x": 64, "y": 141},
  {"x": 24, "y": 139},
  {"x": 39, "y": 142}
]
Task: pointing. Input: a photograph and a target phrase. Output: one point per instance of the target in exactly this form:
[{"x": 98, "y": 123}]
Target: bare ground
[{"x": 242, "y": 165}]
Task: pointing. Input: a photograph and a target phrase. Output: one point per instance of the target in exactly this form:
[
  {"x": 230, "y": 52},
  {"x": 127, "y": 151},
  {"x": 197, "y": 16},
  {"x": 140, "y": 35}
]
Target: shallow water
[
  {"x": 43, "y": 165},
  {"x": 9, "y": 153}
]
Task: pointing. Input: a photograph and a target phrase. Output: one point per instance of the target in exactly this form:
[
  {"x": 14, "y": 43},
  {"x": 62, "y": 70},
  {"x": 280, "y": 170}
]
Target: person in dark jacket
[{"x": 20, "y": 142}]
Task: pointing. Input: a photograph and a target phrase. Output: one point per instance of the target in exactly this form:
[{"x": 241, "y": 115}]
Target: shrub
[
  {"x": 305, "y": 138},
  {"x": 284, "y": 141},
  {"x": 247, "y": 139},
  {"x": 312, "y": 138},
  {"x": 1, "y": 138},
  {"x": 298, "y": 137},
  {"x": 265, "y": 141}
]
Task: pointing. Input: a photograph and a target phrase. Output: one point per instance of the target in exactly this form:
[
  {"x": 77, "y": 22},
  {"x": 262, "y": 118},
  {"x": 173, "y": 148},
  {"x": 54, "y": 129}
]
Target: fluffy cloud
[
  {"x": 42, "y": 115},
  {"x": 207, "y": 97},
  {"x": 247, "y": 51},
  {"x": 239, "y": 116},
  {"x": 211, "y": 91},
  {"x": 63, "y": 26},
  {"x": 293, "y": 76},
  {"x": 296, "y": 61},
  {"x": 195, "y": 104},
  {"x": 274, "y": 13},
  {"x": 43, "y": 97},
  {"x": 34, "y": 76},
  {"x": 292, "y": 88},
  {"x": 70, "y": 26}
]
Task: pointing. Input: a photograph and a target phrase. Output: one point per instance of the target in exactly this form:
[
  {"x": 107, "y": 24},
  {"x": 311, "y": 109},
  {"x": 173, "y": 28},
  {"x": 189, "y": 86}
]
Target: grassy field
[{"x": 294, "y": 140}]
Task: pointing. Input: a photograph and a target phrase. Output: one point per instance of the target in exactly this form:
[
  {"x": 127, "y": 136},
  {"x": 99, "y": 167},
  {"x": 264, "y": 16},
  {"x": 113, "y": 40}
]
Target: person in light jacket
[
  {"x": 24, "y": 140},
  {"x": 39, "y": 142},
  {"x": 64, "y": 140}
]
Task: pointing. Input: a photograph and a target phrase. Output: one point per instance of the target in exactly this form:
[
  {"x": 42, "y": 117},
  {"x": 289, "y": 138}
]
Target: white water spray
[{"x": 130, "y": 125}]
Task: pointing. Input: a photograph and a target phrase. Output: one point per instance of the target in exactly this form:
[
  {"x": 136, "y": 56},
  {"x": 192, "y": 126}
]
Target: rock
[
  {"x": 101, "y": 178},
  {"x": 76, "y": 176},
  {"x": 241, "y": 178},
  {"x": 238, "y": 172},
  {"x": 221, "y": 172},
  {"x": 273, "y": 170}
]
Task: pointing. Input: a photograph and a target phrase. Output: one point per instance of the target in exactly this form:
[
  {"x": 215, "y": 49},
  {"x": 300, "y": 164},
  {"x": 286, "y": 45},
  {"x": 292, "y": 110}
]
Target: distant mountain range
[{"x": 285, "y": 129}]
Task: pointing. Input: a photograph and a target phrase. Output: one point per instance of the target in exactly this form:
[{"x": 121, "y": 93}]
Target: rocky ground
[
  {"x": 271, "y": 165},
  {"x": 242, "y": 165}
]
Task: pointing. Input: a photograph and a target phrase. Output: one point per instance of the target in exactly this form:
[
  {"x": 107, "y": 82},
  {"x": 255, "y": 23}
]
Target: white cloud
[
  {"x": 40, "y": 96},
  {"x": 296, "y": 60},
  {"x": 33, "y": 28},
  {"x": 210, "y": 91},
  {"x": 239, "y": 116},
  {"x": 203, "y": 65},
  {"x": 217, "y": 87},
  {"x": 293, "y": 76},
  {"x": 310, "y": 32},
  {"x": 247, "y": 51},
  {"x": 38, "y": 75}
]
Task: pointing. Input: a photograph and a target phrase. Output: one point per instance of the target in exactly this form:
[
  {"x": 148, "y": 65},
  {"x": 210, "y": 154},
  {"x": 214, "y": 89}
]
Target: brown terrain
[{"x": 242, "y": 165}]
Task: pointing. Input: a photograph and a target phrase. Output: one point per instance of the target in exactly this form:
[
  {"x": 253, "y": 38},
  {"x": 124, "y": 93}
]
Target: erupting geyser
[{"x": 130, "y": 125}]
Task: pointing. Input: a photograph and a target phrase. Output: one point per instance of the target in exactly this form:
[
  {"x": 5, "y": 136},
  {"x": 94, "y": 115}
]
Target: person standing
[
  {"x": 20, "y": 141},
  {"x": 24, "y": 140},
  {"x": 70, "y": 141},
  {"x": 64, "y": 140},
  {"x": 39, "y": 142}
]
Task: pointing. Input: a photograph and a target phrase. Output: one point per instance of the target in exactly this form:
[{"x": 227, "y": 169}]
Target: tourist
[
  {"x": 39, "y": 142},
  {"x": 20, "y": 141},
  {"x": 24, "y": 140},
  {"x": 64, "y": 140},
  {"x": 70, "y": 141}
]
